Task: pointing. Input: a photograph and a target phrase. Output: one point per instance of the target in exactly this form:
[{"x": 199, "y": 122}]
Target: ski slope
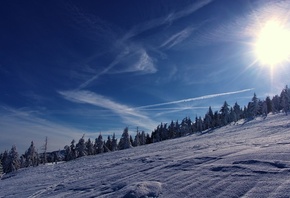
[{"x": 250, "y": 159}]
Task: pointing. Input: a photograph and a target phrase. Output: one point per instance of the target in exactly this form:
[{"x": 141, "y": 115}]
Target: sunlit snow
[{"x": 248, "y": 159}]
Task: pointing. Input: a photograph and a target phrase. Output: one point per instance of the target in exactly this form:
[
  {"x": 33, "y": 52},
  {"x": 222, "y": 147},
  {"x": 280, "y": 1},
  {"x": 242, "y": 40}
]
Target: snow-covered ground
[{"x": 250, "y": 159}]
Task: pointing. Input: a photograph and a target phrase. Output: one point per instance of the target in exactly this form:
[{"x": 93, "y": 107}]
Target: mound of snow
[{"x": 148, "y": 189}]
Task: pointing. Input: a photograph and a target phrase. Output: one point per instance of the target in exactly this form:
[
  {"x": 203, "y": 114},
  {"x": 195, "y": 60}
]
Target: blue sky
[{"x": 69, "y": 68}]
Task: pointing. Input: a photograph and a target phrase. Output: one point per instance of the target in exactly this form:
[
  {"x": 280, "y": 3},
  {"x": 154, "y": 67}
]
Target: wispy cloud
[
  {"x": 136, "y": 61},
  {"x": 127, "y": 55},
  {"x": 129, "y": 115},
  {"x": 194, "y": 99},
  {"x": 138, "y": 29},
  {"x": 131, "y": 55},
  {"x": 104, "y": 71},
  {"x": 177, "y": 38},
  {"x": 21, "y": 126}
]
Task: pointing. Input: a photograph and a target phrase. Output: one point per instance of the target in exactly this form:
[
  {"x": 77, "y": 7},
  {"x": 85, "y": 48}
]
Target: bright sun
[{"x": 273, "y": 44}]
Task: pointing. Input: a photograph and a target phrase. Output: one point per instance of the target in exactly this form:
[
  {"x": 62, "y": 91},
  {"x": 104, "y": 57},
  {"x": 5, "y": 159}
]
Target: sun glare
[{"x": 273, "y": 44}]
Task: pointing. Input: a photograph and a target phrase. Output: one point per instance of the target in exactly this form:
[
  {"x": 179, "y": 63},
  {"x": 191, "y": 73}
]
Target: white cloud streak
[
  {"x": 128, "y": 114},
  {"x": 104, "y": 71},
  {"x": 177, "y": 38},
  {"x": 137, "y": 60},
  {"x": 165, "y": 20},
  {"x": 133, "y": 59},
  {"x": 125, "y": 47},
  {"x": 193, "y": 99}
]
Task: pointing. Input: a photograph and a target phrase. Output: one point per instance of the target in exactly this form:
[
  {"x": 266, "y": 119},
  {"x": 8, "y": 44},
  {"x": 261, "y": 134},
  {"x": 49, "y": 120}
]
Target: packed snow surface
[{"x": 248, "y": 159}]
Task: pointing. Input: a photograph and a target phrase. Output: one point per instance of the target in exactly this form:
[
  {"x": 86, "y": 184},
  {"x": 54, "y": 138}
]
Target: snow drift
[{"x": 248, "y": 159}]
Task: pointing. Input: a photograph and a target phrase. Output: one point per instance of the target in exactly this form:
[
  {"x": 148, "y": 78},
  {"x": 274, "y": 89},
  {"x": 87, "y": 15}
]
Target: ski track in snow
[{"x": 250, "y": 159}]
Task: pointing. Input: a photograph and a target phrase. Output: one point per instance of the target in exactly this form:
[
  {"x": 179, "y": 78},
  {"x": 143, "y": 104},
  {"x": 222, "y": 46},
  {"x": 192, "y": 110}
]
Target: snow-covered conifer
[
  {"x": 225, "y": 113},
  {"x": 207, "y": 121},
  {"x": 99, "y": 144},
  {"x": 238, "y": 111},
  {"x": 142, "y": 138},
  {"x": 269, "y": 104},
  {"x": 22, "y": 161},
  {"x": 114, "y": 143},
  {"x": 73, "y": 151},
  {"x": 1, "y": 168},
  {"x": 5, "y": 161},
  {"x": 148, "y": 139},
  {"x": 31, "y": 156},
  {"x": 125, "y": 142},
  {"x": 137, "y": 139},
  {"x": 131, "y": 140},
  {"x": 285, "y": 100},
  {"x": 232, "y": 116},
  {"x": 171, "y": 130},
  {"x": 81, "y": 147},
  {"x": 90, "y": 147},
  {"x": 276, "y": 104},
  {"x": 217, "y": 119},
  {"x": 13, "y": 160},
  {"x": 109, "y": 143},
  {"x": 185, "y": 126},
  {"x": 254, "y": 106},
  {"x": 199, "y": 124},
  {"x": 44, "y": 151},
  {"x": 209, "y": 118},
  {"x": 264, "y": 109}
]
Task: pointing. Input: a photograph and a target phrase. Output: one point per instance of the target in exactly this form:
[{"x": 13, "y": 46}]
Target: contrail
[
  {"x": 111, "y": 65},
  {"x": 193, "y": 99}
]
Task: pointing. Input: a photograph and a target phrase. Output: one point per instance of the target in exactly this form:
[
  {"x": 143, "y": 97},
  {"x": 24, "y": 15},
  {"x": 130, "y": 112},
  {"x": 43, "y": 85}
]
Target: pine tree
[
  {"x": 131, "y": 140},
  {"x": 1, "y": 168},
  {"x": 31, "y": 156},
  {"x": 171, "y": 130},
  {"x": 44, "y": 151},
  {"x": 81, "y": 147},
  {"x": 217, "y": 119},
  {"x": 238, "y": 111},
  {"x": 137, "y": 139},
  {"x": 125, "y": 142},
  {"x": 207, "y": 121},
  {"x": 285, "y": 100},
  {"x": 269, "y": 104},
  {"x": 13, "y": 160},
  {"x": 68, "y": 153},
  {"x": 254, "y": 106},
  {"x": 114, "y": 143},
  {"x": 99, "y": 144},
  {"x": 276, "y": 104},
  {"x": 225, "y": 113},
  {"x": 264, "y": 109},
  {"x": 22, "y": 161},
  {"x": 109, "y": 143},
  {"x": 232, "y": 116},
  {"x": 142, "y": 138},
  {"x": 185, "y": 127},
  {"x": 5, "y": 162},
  {"x": 73, "y": 151},
  {"x": 199, "y": 124},
  {"x": 148, "y": 139},
  {"x": 90, "y": 147}
]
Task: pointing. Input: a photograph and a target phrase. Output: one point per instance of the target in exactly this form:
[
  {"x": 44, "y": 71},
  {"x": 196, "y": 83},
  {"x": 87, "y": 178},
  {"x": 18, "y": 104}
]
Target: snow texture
[{"x": 248, "y": 159}]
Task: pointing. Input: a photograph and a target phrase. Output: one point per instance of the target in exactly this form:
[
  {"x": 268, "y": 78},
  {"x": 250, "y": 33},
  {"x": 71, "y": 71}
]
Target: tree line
[{"x": 10, "y": 160}]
